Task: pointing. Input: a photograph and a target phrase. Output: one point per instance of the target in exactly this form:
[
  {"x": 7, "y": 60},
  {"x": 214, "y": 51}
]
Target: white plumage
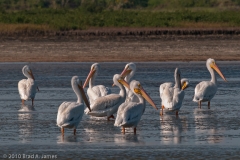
[
  {"x": 184, "y": 84},
  {"x": 172, "y": 96},
  {"x": 108, "y": 105},
  {"x": 206, "y": 90},
  {"x": 128, "y": 73},
  {"x": 27, "y": 88},
  {"x": 70, "y": 113},
  {"x": 97, "y": 91},
  {"x": 130, "y": 113}
]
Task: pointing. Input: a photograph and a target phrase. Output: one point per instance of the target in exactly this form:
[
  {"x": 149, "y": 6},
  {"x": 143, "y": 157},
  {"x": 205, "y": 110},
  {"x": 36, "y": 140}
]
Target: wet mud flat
[
  {"x": 121, "y": 48},
  {"x": 195, "y": 133}
]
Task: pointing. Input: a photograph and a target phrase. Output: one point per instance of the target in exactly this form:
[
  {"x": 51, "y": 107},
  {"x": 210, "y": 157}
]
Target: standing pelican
[
  {"x": 205, "y": 90},
  {"x": 27, "y": 88},
  {"x": 70, "y": 113},
  {"x": 130, "y": 113},
  {"x": 128, "y": 74},
  {"x": 108, "y": 105},
  {"x": 172, "y": 97},
  {"x": 95, "y": 92}
]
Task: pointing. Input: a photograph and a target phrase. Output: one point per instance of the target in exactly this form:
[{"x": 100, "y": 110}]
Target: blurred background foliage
[
  {"x": 116, "y": 4},
  {"x": 82, "y": 14}
]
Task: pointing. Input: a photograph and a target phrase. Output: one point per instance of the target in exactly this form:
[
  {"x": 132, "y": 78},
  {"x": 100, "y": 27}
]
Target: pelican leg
[
  {"x": 22, "y": 102},
  {"x": 161, "y": 112},
  {"x": 110, "y": 117},
  {"x": 208, "y": 104},
  {"x": 62, "y": 130},
  {"x": 32, "y": 101},
  {"x": 74, "y": 131},
  {"x": 176, "y": 113},
  {"x": 199, "y": 104},
  {"x": 123, "y": 130},
  {"x": 135, "y": 130}
]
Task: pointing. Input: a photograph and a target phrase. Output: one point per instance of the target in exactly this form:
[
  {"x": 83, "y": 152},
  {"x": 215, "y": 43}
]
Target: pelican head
[
  {"x": 211, "y": 65},
  {"x": 184, "y": 83},
  {"x": 28, "y": 72},
  {"x": 76, "y": 82},
  {"x": 118, "y": 80},
  {"x": 136, "y": 88},
  {"x": 129, "y": 69},
  {"x": 93, "y": 72}
]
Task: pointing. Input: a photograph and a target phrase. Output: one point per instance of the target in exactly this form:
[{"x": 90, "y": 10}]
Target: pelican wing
[
  {"x": 130, "y": 115},
  {"x": 204, "y": 91},
  {"x": 27, "y": 88},
  {"x": 163, "y": 86},
  {"x": 97, "y": 91},
  {"x": 167, "y": 96},
  {"x": 106, "y": 102},
  {"x": 101, "y": 90},
  {"x": 69, "y": 114}
]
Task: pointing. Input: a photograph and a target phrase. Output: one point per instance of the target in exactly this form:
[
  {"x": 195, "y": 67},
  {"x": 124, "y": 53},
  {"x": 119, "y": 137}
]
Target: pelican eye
[
  {"x": 137, "y": 90},
  {"x": 119, "y": 80}
]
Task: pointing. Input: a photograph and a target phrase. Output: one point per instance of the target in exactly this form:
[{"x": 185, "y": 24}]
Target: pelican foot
[{"x": 176, "y": 113}]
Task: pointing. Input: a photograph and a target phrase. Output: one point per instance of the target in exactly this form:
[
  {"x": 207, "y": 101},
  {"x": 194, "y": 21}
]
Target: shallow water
[{"x": 196, "y": 133}]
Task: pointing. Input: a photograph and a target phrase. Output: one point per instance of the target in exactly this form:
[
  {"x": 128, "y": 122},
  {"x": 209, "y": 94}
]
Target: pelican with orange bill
[
  {"x": 70, "y": 113},
  {"x": 95, "y": 91},
  {"x": 173, "y": 96},
  {"x": 106, "y": 106},
  {"x": 206, "y": 90},
  {"x": 130, "y": 113}
]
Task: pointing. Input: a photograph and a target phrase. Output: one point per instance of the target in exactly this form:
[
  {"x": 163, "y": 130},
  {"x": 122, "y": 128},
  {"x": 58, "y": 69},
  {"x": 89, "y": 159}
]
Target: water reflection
[
  {"x": 171, "y": 129},
  {"x": 67, "y": 139},
  {"x": 206, "y": 129},
  {"x": 25, "y": 118},
  {"x": 128, "y": 139}
]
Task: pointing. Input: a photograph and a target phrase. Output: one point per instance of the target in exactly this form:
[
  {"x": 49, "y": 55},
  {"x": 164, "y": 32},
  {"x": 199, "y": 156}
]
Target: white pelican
[
  {"x": 205, "y": 90},
  {"x": 128, "y": 74},
  {"x": 27, "y": 88},
  {"x": 95, "y": 92},
  {"x": 70, "y": 113},
  {"x": 108, "y": 105},
  {"x": 172, "y": 96},
  {"x": 129, "y": 113}
]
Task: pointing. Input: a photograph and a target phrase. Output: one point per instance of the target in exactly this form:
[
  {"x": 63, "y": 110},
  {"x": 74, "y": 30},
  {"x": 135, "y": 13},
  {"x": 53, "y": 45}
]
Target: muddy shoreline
[{"x": 129, "y": 45}]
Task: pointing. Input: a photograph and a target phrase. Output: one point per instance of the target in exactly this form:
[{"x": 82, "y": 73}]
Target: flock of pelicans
[{"x": 129, "y": 104}]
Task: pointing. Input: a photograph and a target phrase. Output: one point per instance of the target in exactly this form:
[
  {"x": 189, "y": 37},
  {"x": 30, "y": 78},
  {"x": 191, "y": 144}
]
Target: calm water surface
[{"x": 196, "y": 133}]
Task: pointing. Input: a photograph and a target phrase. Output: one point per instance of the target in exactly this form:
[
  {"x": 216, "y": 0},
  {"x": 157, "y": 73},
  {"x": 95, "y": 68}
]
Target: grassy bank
[{"x": 80, "y": 19}]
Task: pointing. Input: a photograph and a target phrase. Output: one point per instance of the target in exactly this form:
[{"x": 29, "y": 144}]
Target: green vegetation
[{"x": 81, "y": 14}]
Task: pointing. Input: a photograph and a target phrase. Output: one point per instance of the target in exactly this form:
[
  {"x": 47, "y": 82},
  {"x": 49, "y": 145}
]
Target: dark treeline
[{"x": 115, "y": 4}]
